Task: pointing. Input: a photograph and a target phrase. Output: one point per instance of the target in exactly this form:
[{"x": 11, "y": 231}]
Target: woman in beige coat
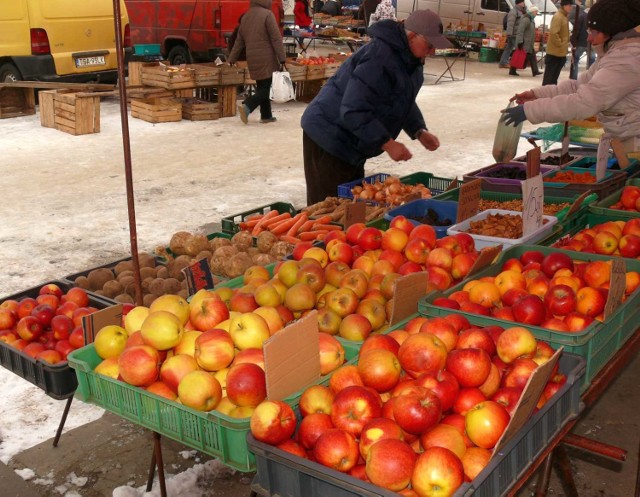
[{"x": 260, "y": 35}]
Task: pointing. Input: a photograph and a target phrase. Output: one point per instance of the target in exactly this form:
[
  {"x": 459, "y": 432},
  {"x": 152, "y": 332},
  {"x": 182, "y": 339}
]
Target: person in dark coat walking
[
  {"x": 525, "y": 40},
  {"x": 362, "y": 109},
  {"x": 513, "y": 19},
  {"x": 260, "y": 35}
]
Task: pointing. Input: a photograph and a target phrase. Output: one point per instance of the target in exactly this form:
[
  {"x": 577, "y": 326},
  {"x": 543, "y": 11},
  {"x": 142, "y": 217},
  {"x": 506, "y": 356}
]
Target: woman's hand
[
  {"x": 525, "y": 96},
  {"x": 396, "y": 150},
  {"x": 429, "y": 141}
]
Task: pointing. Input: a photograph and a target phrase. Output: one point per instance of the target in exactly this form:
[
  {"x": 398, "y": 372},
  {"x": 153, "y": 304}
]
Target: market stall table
[
  {"x": 450, "y": 57},
  {"x": 305, "y": 40}
]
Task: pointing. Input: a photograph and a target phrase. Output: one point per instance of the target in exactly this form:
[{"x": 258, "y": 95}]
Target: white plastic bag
[
  {"x": 282, "y": 87},
  {"x": 505, "y": 144}
]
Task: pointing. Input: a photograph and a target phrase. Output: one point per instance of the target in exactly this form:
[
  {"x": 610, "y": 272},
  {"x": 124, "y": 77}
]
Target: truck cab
[{"x": 189, "y": 30}]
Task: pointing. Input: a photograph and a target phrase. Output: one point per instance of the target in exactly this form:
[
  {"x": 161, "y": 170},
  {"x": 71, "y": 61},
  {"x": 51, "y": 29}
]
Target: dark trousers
[
  {"x": 323, "y": 172},
  {"x": 261, "y": 99},
  {"x": 552, "y": 67},
  {"x": 533, "y": 62}
]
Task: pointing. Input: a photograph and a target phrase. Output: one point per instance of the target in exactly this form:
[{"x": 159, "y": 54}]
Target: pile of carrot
[
  {"x": 572, "y": 177},
  {"x": 288, "y": 228}
]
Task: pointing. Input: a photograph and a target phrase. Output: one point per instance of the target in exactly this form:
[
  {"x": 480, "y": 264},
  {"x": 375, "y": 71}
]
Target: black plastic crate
[{"x": 58, "y": 381}]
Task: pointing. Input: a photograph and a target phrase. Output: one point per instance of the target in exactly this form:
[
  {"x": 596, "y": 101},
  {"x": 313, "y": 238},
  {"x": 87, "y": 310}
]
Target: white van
[{"x": 488, "y": 12}]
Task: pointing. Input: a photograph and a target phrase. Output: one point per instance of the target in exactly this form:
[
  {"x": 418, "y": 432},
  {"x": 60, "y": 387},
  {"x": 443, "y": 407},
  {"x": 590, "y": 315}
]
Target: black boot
[{"x": 512, "y": 72}]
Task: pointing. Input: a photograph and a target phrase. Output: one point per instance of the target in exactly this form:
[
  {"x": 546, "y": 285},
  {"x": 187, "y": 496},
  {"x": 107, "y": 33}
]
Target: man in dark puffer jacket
[{"x": 361, "y": 110}]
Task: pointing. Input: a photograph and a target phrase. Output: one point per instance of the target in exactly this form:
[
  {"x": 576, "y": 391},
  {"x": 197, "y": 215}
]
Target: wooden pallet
[
  {"x": 77, "y": 113},
  {"x": 15, "y": 102},
  {"x": 157, "y": 110},
  {"x": 194, "y": 109}
]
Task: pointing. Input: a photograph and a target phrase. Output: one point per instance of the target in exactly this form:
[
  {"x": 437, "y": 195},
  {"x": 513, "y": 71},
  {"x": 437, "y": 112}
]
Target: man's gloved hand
[
  {"x": 520, "y": 46},
  {"x": 514, "y": 115}
]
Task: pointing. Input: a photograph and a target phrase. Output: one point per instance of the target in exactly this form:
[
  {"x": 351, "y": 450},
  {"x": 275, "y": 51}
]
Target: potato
[
  {"x": 195, "y": 244},
  {"x": 157, "y": 287},
  {"x": 123, "y": 298},
  {"x": 148, "y": 299},
  {"x": 243, "y": 238},
  {"x": 162, "y": 272},
  {"x": 123, "y": 266},
  {"x": 124, "y": 274},
  {"x": 205, "y": 254},
  {"x": 217, "y": 265},
  {"x": 216, "y": 243},
  {"x": 112, "y": 288},
  {"x": 237, "y": 265},
  {"x": 145, "y": 285},
  {"x": 262, "y": 259},
  {"x": 98, "y": 277},
  {"x": 280, "y": 250},
  {"x": 265, "y": 241},
  {"x": 175, "y": 266},
  {"x": 146, "y": 260},
  {"x": 101, "y": 293},
  {"x": 146, "y": 272},
  {"x": 172, "y": 285},
  {"x": 128, "y": 284},
  {"x": 82, "y": 282},
  {"x": 178, "y": 243},
  {"x": 226, "y": 252}
]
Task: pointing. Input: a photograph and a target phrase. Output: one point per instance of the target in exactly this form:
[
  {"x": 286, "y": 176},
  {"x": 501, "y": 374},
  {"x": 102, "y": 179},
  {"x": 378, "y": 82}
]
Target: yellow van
[{"x": 60, "y": 40}]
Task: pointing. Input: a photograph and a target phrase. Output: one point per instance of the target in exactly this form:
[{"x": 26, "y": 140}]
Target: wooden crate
[
  {"x": 330, "y": 69},
  {"x": 194, "y": 109},
  {"x": 247, "y": 76},
  {"x": 134, "y": 71},
  {"x": 168, "y": 77},
  {"x": 77, "y": 113},
  {"x": 15, "y": 102},
  {"x": 157, "y": 110},
  {"x": 47, "y": 107},
  {"x": 297, "y": 71},
  {"x": 315, "y": 72},
  {"x": 307, "y": 90},
  {"x": 231, "y": 75},
  {"x": 227, "y": 98},
  {"x": 206, "y": 74}
]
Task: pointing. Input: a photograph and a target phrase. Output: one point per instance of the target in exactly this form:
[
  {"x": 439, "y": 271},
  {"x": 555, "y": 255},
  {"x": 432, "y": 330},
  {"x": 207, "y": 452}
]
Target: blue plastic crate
[{"x": 446, "y": 209}]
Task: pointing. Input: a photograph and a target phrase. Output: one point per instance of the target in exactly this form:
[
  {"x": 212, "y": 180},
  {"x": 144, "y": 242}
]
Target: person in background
[
  {"x": 384, "y": 10},
  {"x": 367, "y": 8},
  {"x": 513, "y": 19},
  {"x": 232, "y": 39},
  {"x": 525, "y": 40},
  {"x": 579, "y": 39},
  {"x": 260, "y": 35},
  {"x": 362, "y": 109},
  {"x": 332, "y": 8},
  {"x": 302, "y": 17},
  {"x": 558, "y": 44},
  {"x": 609, "y": 89}
]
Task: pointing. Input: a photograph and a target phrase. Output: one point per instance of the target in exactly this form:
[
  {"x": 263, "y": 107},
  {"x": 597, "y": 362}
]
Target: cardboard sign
[
  {"x": 452, "y": 185},
  {"x": 93, "y": 323},
  {"x": 469, "y": 200},
  {"x": 355, "y": 212},
  {"x": 533, "y": 162},
  {"x": 292, "y": 357},
  {"x": 617, "y": 286},
  {"x": 618, "y": 151},
  {"x": 532, "y": 204},
  {"x": 602, "y": 157},
  {"x": 485, "y": 257},
  {"x": 407, "y": 291},
  {"x": 577, "y": 203},
  {"x": 528, "y": 400},
  {"x": 198, "y": 276}
]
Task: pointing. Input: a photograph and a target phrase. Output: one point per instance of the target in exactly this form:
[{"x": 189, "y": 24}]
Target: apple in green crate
[
  {"x": 213, "y": 349},
  {"x": 332, "y": 354},
  {"x": 355, "y": 327},
  {"x": 160, "y": 388},
  {"x": 246, "y": 384},
  {"x": 272, "y": 317},
  {"x": 199, "y": 390},
  {"x": 176, "y": 367},
  {"x": 139, "y": 365},
  {"x": 300, "y": 297},
  {"x": 108, "y": 367},
  {"x": 248, "y": 330},
  {"x": 242, "y": 302},
  {"x": 162, "y": 329},
  {"x": 207, "y": 313},
  {"x": 110, "y": 341}
]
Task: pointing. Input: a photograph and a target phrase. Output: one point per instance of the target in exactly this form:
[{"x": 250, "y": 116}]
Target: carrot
[
  {"x": 311, "y": 235},
  {"x": 326, "y": 227},
  {"x": 323, "y": 220},
  {"x": 276, "y": 219},
  {"x": 282, "y": 227},
  {"x": 306, "y": 226},
  {"x": 257, "y": 229},
  {"x": 290, "y": 239},
  {"x": 300, "y": 220}
]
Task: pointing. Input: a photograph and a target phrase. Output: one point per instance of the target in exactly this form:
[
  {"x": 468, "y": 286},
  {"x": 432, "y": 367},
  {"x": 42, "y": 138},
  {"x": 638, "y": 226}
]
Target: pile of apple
[
  {"x": 199, "y": 353},
  {"x": 47, "y": 327},
  {"x": 610, "y": 238},
  {"x": 422, "y": 409},
  {"x": 629, "y": 199},
  {"x": 552, "y": 291}
]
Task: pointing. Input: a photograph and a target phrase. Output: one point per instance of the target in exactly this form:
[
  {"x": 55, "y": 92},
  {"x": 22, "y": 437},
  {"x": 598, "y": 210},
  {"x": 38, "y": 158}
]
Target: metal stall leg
[
  {"x": 63, "y": 420},
  {"x": 156, "y": 461}
]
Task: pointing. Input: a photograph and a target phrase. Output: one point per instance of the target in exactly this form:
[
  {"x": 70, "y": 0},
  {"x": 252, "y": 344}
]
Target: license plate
[{"x": 90, "y": 61}]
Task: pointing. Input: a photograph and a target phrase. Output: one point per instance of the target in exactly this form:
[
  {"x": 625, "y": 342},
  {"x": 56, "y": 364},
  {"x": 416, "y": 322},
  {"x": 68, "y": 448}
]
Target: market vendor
[
  {"x": 362, "y": 109},
  {"x": 610, "y": 89}
]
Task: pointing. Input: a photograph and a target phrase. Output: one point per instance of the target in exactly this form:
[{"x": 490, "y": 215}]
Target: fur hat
[
  {"x": 566, "y": 2},
  {"x": 614, "y": 16}
]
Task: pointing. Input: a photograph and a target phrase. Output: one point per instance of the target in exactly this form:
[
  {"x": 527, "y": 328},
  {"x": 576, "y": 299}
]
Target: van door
[
  {"x": 14, "y": 28},
  {"x": 452, "y": 12},
  {"x": 490, "y": 13},
  {"x": 81, "y": 34}
]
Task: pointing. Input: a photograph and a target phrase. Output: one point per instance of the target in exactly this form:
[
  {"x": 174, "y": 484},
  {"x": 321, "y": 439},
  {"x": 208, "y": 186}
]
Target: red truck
[{"x": 188, "y": 30}]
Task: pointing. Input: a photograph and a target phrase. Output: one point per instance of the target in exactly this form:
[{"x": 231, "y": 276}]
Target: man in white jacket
[{"x": 610, "y": 89}]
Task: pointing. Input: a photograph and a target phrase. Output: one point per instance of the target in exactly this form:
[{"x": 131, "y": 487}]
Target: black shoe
[
  {"x": 537, "y": 74},
  {"x": 513, "y": 73}
]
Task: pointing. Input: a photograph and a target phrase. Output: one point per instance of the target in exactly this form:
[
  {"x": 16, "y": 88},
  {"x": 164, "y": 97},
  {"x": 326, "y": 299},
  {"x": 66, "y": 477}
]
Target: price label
[
  {"x": 533, "y": 162},
  {"x": 532, "y": 204},
  {"x": 617, "y": 285},
  {"x": 577, "y": 203},
  {"x": 469, "y": 199},
  {"x": 198, "y": 276},
  {"x": 602, "y": 157},
  {"x": 355, "y": 213}
]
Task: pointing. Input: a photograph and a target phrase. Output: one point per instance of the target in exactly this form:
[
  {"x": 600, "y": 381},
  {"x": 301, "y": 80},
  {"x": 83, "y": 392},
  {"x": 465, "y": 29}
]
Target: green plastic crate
[
  {"x": 231, "y": 224},
  {"x": 597, "y": 343},
  {"x": 211, "y": 432},
  {"x": 601, "y": 211},
  {"x": 612, "y": 182},
  {"x": 434, "y": 183}
]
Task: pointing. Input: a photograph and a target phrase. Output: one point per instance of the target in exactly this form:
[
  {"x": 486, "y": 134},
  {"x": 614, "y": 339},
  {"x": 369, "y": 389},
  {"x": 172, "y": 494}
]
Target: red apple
[
  {"x": 416, "y": 413},
  {"x": 139, "y": 365},
  {"x": 529, "y": 310},
  {"x": 62, "y": 326},
  {"x": 485, "y": 423},
  {"x": 209, "y": 313},
  {"x": 378, "y": 429},
  {"x": 29, "y": 328},
  {"x": 422, "y": 353},
  {"x": 311, "y": 427},
  {"x": 44, "y": 313},
  {"x": 443, "y": 384},
  {"x": 508, "y": 397},
  {"x": 176, "y": 367},
  {"x": 554, "y": 261},
  {"x": 246, "y": 384},
  {"x": 560, "y": 300},
  {"x": 273, "y": 422},
  {"x": 337, "y": 449},
  {"x": 353, "y": 407},
  {"x": 466, "y": 399},
  {"x": 390, "y": 464},
  {"x": 379, "y": 369},
  {"x": 437, "y": 468},
  {"x": 471, "y": 367},
  {"x": 444, "y": 435}
]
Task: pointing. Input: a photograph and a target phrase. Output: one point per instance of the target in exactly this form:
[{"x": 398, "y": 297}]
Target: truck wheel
[
  {"x": 9, "y": 74},
  {"x": 179, "y": 55}
]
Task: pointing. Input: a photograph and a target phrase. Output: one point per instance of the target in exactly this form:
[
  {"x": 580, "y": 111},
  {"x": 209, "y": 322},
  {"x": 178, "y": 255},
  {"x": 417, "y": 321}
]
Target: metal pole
[{"x": 127, "y": 153}]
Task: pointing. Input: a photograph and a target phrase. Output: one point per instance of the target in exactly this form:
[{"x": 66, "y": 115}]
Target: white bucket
[{"x": 493, "y": 43}]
